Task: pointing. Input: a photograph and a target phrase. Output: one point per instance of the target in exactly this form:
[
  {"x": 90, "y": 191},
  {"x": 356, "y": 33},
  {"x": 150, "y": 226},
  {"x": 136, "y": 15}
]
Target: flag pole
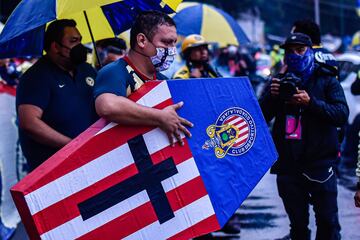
[{"x": 92, "y": 39}]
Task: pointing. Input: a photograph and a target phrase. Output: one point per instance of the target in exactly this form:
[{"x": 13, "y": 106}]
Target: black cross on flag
[{"x": 149, "y": 178}]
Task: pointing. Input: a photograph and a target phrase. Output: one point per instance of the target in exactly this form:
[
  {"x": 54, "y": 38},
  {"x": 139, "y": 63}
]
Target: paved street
[{"x": 263, "y": 217}]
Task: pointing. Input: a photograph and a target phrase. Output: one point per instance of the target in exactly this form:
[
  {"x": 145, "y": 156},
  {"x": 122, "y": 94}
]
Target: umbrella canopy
[
  {"x": 23, "y": 33},
  {"x": 212, "y": 23},
  {"x": 356, "y": 40}
]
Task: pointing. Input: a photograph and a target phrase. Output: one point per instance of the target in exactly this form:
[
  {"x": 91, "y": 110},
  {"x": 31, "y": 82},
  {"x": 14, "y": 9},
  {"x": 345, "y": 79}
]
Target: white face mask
[{"x": 164, "y": 58}]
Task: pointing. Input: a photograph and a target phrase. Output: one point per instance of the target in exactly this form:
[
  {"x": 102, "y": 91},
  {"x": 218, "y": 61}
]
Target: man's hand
[
  {"x": 274, "y": 87},
  {"x": 124, "y": 111},
  {"x": 300, "y": 98},
  {"x": 357, "y": 198},
  {"x": 172, "y": 124}
]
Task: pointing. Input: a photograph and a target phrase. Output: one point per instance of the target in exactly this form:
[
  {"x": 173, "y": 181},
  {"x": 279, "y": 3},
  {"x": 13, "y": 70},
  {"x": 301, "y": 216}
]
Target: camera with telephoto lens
[{"x": 288, "y": 84}]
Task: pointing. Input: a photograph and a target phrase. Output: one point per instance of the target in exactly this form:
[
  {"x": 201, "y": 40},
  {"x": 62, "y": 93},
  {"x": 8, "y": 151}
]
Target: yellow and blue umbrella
[
  {"x": 212, "y": 23},
  {"x": 355, "y": 42},
  {"x": 23, "y": 33}
]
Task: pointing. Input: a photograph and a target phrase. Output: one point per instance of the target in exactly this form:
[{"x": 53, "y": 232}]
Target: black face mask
[{"x": 78, "y": 53}]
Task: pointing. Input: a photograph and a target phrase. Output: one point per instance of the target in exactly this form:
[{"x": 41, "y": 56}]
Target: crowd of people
[{"x": 60, "y": 95}]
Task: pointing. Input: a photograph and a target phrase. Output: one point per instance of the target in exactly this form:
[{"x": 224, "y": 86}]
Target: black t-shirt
[{"x": 67, "y": 103}]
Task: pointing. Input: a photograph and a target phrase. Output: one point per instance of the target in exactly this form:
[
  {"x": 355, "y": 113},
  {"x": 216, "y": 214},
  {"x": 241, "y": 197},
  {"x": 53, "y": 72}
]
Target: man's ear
[
  {"x": 55, "y": 47},
  {"x": 141, "y": 40}
]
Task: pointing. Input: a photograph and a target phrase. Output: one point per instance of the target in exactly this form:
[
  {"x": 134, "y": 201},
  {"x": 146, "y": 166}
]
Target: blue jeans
[{"x": 320, "y": 190}]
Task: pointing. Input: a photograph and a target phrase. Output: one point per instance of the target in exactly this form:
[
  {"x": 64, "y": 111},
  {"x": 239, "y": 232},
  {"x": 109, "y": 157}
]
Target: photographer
[
  {"x": 196, "y": 54},
  {"x": 308, "y": 104}
]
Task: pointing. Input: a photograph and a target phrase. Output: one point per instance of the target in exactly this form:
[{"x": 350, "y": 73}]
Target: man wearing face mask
[
  {"x": 323, "y": 56},
  {"x": 152, "y": 49},
  {"x": 54, "y": 98},
  {"x": 307, "y": 112},
  {"x": 196, "y": 54}
]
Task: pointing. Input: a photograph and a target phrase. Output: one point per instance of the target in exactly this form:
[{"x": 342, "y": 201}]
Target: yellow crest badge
[{"x": 233, "y": 133}]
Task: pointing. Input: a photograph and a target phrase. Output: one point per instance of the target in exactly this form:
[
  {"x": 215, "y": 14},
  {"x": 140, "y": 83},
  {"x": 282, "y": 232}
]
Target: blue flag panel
[{"x": 232, "y": 147}]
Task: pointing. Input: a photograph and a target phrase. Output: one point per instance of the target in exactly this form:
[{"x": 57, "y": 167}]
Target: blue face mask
[{"x": 301, "y": 65}]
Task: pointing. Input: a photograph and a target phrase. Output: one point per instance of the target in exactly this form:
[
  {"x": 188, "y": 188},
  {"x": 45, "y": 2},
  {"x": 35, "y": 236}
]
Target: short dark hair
[
  {"x": 55, "y": 31},
  {"x": 310, "y": 28},
  {"x": 113, "y": 42},
  {"x": 147, "y": 22}
]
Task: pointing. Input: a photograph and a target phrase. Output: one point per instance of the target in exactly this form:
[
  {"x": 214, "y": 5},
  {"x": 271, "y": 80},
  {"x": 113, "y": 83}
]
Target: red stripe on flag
[
  {"x": 189, "y": 192},
  {"x": 210, "y": 224},
  {"x": 45, "y": 219},
  {"x": 230, "y": 119},
  {"x": 129, "y": 223},
  {"x": 239, "y": 143},
  {"x": 239, "y": 122},
  {"x": 242, "y": 141},
  {"x": 183, "y": 151},
  {"x": 242, "y": 127},
  {"x": 124, "y": 225},
  {"x": 179, "y": 155},
  {"x": 164, "y": 104},
  {"x": 25, "y": 215},
  {"x": 244, "y": 133},
  {"x": 95, "y": 147},
  {"x": 7, "y": 89}
]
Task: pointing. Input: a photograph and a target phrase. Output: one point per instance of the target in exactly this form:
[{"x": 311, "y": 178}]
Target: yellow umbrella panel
[
  {"x": 24, "y": 31},
  {"x": 210, "y": 22}
]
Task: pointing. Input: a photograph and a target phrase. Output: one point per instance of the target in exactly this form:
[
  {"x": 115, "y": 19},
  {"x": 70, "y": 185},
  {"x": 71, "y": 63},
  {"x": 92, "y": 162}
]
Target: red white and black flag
[{"x": 116, "y": 182}]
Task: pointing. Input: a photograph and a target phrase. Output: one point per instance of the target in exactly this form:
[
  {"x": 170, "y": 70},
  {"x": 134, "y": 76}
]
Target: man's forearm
[
  {"x": 124, "y": 111},
  {"x": 44, "y": 134}
]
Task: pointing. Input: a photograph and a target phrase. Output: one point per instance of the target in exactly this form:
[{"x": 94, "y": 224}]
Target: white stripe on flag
[
  {"x": 241, "y": 124},
  {"x": 79, "y": 179},
  {"x": 242, "y": 138},
  {"x": 243, "y": 130},
  {"x": 156, "y": 96},
  {"x": 184, "y": 218},
  {"x": 67, "y": 230},
  {"x": 238, "y": 119},
  {"x": 186, "y": 171},
  {"x": 78, "y": 227},
  {"x": 89, "y": 174}
]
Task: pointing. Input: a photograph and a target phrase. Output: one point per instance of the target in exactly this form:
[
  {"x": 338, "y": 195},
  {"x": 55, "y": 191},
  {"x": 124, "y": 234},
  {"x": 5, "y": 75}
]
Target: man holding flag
[{"x": 152, "y": 41}]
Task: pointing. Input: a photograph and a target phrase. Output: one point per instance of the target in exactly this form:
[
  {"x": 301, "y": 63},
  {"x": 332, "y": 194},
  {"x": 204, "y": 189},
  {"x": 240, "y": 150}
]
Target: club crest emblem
[
  {"x": 90, "y": 81},
  {"x": 233, "y": 133}
]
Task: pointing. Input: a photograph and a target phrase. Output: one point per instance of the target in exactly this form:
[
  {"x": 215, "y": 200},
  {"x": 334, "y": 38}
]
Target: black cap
[{"x": 297, "y": 38}]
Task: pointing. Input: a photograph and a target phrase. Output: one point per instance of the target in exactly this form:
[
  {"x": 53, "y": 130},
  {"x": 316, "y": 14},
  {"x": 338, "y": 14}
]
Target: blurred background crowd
[
  {"x": 265, "y": 24},
  {"x": 257, "y": 27}
]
